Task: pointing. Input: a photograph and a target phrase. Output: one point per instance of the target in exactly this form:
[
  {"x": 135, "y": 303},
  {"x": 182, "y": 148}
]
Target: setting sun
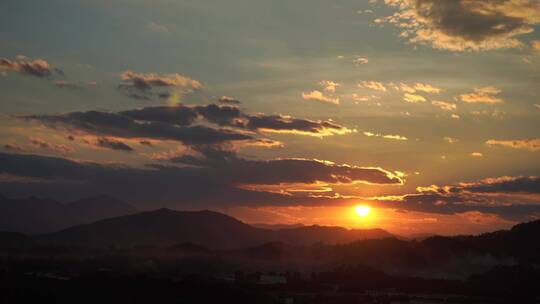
[{"x": 362, "y": 210}]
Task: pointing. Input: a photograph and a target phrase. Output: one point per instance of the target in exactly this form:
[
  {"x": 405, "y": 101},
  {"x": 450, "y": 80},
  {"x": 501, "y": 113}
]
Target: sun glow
[{"x": 362, "y": 210}]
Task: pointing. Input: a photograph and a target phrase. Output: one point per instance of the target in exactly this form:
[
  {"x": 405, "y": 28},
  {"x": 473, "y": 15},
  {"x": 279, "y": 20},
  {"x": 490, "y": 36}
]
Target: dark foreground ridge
[{"x": 208, "y": 257}]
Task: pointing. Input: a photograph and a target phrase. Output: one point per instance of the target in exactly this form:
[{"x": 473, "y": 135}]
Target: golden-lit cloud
[
  {"x": 451, "y": 140},
  {"x": 320, "y": 97},
  {"x": 360, "y": 61},
  {"x": 485, "y": 95},
  {"x": 413, "y": 98},
  {"x": 388, "y": 136},
  {"x": 426, "y": 88},
  {"x": 447, "y": 106},
  {"x": 536, "y": 45},
  {"x": 329, "y": 85},
  {"x": 373, "y": 85},
  {"x": 477, "y": 154},
  {"x": 525, "y": 144}
]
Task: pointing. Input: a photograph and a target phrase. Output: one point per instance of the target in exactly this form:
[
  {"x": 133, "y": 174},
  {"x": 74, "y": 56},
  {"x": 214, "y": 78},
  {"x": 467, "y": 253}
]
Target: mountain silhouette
[
  {"x": 37, "y": 215},
  {"x": 165, "y": 227}
]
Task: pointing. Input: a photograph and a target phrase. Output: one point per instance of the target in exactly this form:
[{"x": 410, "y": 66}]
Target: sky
[{"x": 278, "y": 112}]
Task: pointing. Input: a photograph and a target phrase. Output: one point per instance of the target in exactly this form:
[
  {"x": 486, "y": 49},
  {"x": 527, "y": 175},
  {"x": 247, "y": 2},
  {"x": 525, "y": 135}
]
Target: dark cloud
[
  {"x": 513, "y": 198},
  {"x": 466, "y": 25},
  {"x": 218, "y": 181},
  {"x": 294, "y": 170},
  {"x": 39, "y": 67},
  {"x": 68, "y": 85},
  {"x": 229, "y": 100},
  {"x": 146, "y": 143},
  {"x": 13, "y": 147},
  {"x": 180, "y": 187},
  {"x": 144, "y": 85},
  {"x": 113, "y": 144},
  {"x": 124, "y": 126},
  {"x": 286, "y": 124},
  {"x": 178, "y": 123},
  {"x": 221, "y": 115},
  {"x": 176, "y": 115}
]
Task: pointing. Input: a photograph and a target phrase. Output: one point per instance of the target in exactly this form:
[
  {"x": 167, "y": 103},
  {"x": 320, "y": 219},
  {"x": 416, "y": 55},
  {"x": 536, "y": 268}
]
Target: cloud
[
  {"x": 329, "y": 85},
  {"x": 406, "y": 88},
  {"x": 228, "y": 100},
  {"x": 13, "y": 147},
  {"x": 513, "y": 198},
  {"x": 477, "y": 154},
  {"x": 413, "y": 98},
  {"x": 482, "y": 95},
  {"x": 144, "y": 85},
  {"x": 191, "y": 125},
  {"x": 68, "y": 85},
  {"x": 447, "y": 106},
  {"x": 426, "y": 88},
  {"x": 157, "y": 28},
  {"x": 373, "y": 85},
  {"x": 60, "y": 148},
  {"x": 292, "y": 170},
  {"x": 451, "y": 140},
  {"x": 464, "y": 25},
  {"x": 536, "y": 45},
  {"x": 526, "y": 144},
  {"x": 360, "y": 61},
  {"x": 215, "y": 181},
  {"x": 319, "y": 96},
  {"x": 122, "y": 125},
  {"x": 113, "y": 144},
  {"x": 388, "y": 136},
  {"x": 287, "y": 124},
  {"x": 38, "y": 68}
]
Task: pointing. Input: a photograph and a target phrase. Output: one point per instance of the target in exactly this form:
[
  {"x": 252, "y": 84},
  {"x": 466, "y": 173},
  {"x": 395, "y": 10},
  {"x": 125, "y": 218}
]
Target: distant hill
[
  {"x": 165, "y": 228},
  {"x": 332, "y": 235},
  {"x": 36, "y": 215}
]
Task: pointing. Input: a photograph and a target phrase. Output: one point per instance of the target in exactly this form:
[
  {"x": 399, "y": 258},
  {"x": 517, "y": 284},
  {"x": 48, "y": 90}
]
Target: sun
[{"x": 362, "y": 210}]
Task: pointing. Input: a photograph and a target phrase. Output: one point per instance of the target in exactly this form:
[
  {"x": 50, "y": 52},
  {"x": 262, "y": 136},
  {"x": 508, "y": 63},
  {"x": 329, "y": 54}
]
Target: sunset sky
[{"x": 278, "y": 112}]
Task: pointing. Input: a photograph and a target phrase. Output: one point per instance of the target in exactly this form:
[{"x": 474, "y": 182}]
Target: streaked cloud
[
  {"x": 387, "y": 136},
  {"x": 526, "y": 144}
]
